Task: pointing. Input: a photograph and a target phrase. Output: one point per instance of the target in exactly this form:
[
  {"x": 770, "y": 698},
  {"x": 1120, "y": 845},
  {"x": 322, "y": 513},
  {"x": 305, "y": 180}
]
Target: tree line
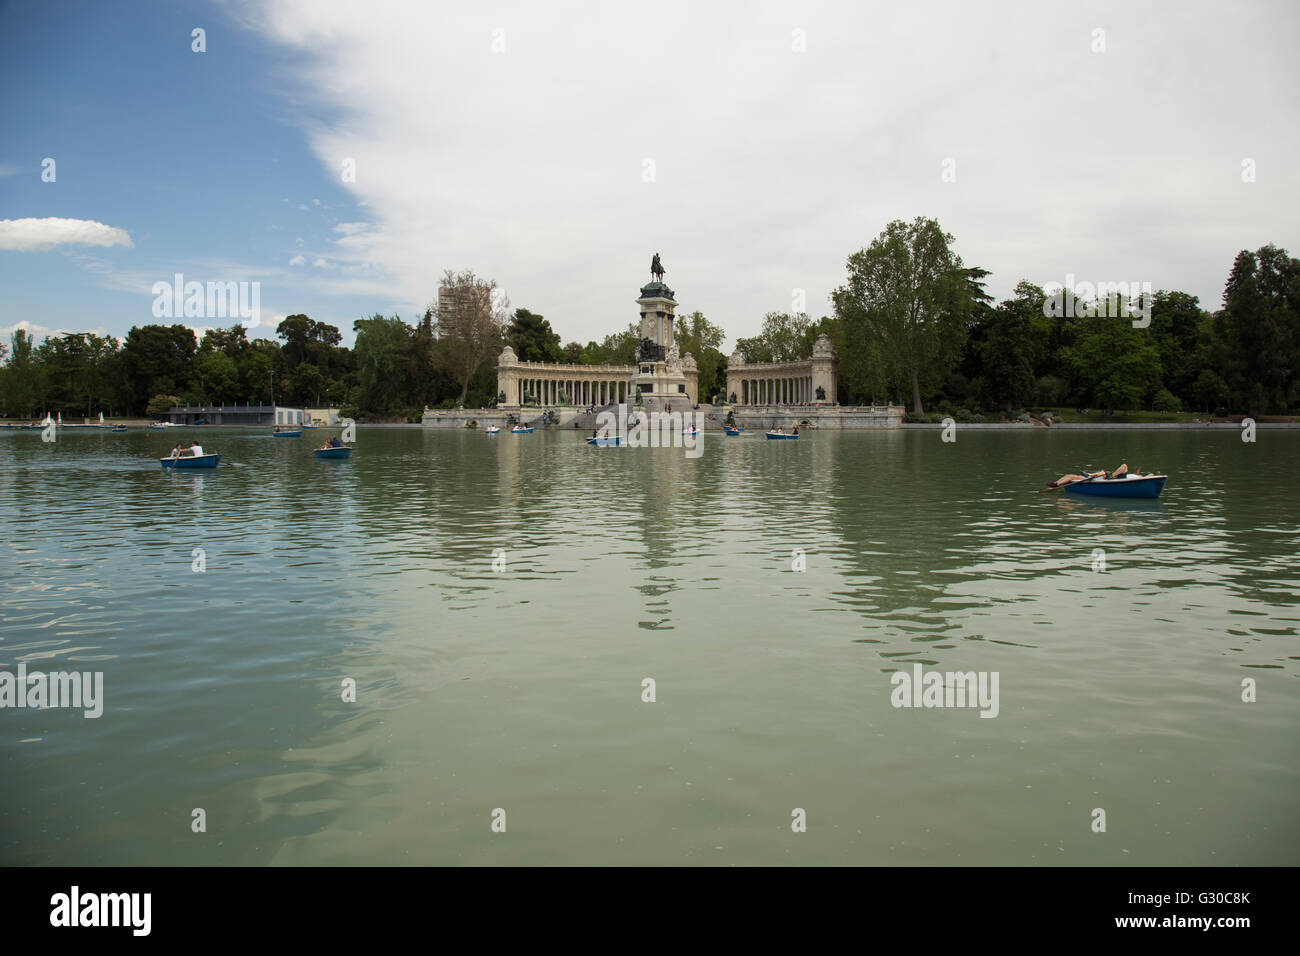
[{"x": 911, "y": 324}]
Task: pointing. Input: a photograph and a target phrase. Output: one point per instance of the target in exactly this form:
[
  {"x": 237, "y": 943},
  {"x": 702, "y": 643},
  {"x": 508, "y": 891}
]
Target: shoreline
[{"x": 1099, "y": 426}]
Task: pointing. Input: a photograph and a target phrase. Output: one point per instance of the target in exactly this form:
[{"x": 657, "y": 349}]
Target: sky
[{"x": 555, "y": 147}]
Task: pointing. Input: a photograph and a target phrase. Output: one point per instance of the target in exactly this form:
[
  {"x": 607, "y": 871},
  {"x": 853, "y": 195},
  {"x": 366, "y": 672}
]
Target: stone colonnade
[
  {"x": 776, "y": 390},
  {"x": 548, "y": 383},
  {"x": 808, "y": 382}
]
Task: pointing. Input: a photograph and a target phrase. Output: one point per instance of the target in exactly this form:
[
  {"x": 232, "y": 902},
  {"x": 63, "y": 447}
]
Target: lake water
[{"x": 478, "y": 689}]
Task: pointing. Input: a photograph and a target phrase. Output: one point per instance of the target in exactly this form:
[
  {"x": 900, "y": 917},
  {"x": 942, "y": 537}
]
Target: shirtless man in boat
[{"x": 1119, "y": 472}]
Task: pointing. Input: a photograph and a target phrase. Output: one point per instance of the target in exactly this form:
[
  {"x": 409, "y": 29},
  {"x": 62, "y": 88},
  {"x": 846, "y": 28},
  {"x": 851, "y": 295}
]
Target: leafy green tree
[
  {"x": 1112, "y": 364},
  {"x": 232, "y": 341},
  {"x": 533, "y": 339},
  {"x": 306, "y": 384},
  {"x": 1011, "y": 342},
  {"x": 306, "y": 340},
  {"x": 783, "y": 338},
  {"x": 160, "y": 404},
  {"x": 905, "y": 306},
  {"x": 157, "y": 359},
  {"x": 618, "y": 348},
  {"x": 217, "y": 375},
  {"x": 1166, "y": 401},
  {"x": 1210, "y": 391},
  {"x": 1178, "y": 329},
  {"x": 1259, "y": 328},
  {"x": 381, "y": 348},
  {"x": 22, "y": 375},
  {"x": 703, "y": 340},
  {"x": 256, "y": 367}
]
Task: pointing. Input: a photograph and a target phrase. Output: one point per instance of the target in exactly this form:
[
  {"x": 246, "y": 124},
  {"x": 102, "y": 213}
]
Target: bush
[
  {"x": 159, "y": 404},
  {"x": 977, "y": 419},
  {"x": 1050, "y": 390},
  {"x": 963, "y": 415},
  {"x": 1023, "y": 417},
  {"x": 1166, "y": 401}
]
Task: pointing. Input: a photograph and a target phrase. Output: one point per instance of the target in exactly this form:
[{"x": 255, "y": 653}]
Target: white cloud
[
  {"x": 39, "y": 234},
  {"x": 9, "y": 169},
  {"x": 320, "y": 264},
  {"x": 39, "y": 332},
  {"x": 297, "y": 261},
  {"x": 772, "y": 166}
]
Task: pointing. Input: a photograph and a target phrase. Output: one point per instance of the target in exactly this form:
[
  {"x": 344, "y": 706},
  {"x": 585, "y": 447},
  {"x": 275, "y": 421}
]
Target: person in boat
[
  {"x": 196, "y": 450},
  {"x": 336, "y": 443},
  {"x": 176, "y": 452},
  {"x": 1072, "y": 478},
  {"x": 796, "y": 430},
  {"x": 1119, "y": 472}
]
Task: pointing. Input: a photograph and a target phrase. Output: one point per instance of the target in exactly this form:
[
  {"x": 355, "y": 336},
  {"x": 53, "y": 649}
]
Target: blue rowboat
[
  {"x": 305, "y": 427},
  {"x": 612, "y": 442},
  {"x": 343, "y": 451},
  {"x": 292, "y": 434},
  {"x": 192, "y": 461},
  {"x": 1130, "y": 486},
  {"x": 732, "y": 431},
  {"x": 118, "y": 429},
  {"x": 779, "y": 435},
  {"x": 521, "y": 431}
]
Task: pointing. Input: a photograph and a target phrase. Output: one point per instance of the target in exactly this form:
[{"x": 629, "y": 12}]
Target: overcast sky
[{"x": 556, "y": 146}]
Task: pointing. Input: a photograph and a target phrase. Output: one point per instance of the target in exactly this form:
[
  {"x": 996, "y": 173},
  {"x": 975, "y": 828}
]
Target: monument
[
  {"x": 662, "y": 373},
  {"x": 660, "y": 376}
]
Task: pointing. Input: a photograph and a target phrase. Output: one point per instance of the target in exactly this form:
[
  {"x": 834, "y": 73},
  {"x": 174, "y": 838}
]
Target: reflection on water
[{"x": 522, "y": 688}]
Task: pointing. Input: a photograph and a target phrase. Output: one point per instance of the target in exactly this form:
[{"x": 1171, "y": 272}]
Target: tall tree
[
  {"x": 703, "y": 340},
  {"x": 1260, "y": 330},
  {"x": 907, "y": 302},
  {"x": 1179, "y": 331},
  {"x": 1011, "y": 346},
  {"x": 1112, "y": 364},
  {"x": 381, "y": 350},
  {"x": 157, "y": 359},
  {"x": 471, "y": 314},
  {"x": 533, "y": 339},
  {"x": 783, "y": 338}
]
